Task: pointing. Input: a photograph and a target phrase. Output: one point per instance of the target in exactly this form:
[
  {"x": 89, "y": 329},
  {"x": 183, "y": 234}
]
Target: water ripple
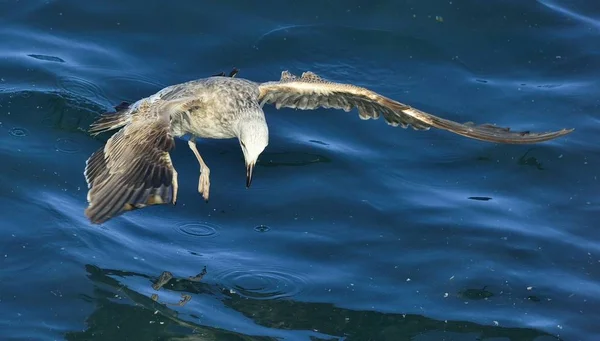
[
  {"x": 570, "y": 13},
  {"x": 135, "y": 78},
  {"x": 285, "y": 29},
  {"x": 81, "y": 87},
  {"x": 197, "y": 229},
  {"x": 117, "y": 84},
  {"x": 267, "y": 284},
  {"x": 67, "y": 145},
  {"x": 18, "y": 132},
  {"x": 262, "y": 228}
]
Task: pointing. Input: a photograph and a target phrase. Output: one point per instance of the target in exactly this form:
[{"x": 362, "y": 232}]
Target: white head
[{"x": 253, "y": 135}]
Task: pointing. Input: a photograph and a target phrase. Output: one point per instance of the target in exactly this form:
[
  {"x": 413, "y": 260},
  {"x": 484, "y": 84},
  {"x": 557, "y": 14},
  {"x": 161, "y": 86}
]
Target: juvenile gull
[{"x": 134, "y": 168}]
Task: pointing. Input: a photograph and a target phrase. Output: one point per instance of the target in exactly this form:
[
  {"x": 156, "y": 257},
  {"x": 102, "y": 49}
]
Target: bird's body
[
  {"x": 134, "y": 169},
  {"x": 210, "y": 107}
]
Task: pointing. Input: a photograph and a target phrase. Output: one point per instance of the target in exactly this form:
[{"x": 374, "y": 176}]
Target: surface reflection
[
  {"x": 123, "y": 313},
  {"x": 532, "y": 161}
]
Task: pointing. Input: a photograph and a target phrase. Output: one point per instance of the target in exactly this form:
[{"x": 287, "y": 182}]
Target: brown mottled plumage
[
  {"x": 134, "y": 169},
  {"x": 311, "y": 91}
]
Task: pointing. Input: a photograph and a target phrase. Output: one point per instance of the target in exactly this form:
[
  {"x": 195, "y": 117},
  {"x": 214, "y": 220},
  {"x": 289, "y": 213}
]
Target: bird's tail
[{"x": 112, "y": 120}]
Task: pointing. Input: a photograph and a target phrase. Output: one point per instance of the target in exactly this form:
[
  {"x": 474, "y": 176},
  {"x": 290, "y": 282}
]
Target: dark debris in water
[
  {"x": 480, "y": 198},
  {"x": 46, "y": 58},
  {"x": 476, "y": 294},
  {"x": 319, "y": 142},
  {"x": 292, "y": 159}
]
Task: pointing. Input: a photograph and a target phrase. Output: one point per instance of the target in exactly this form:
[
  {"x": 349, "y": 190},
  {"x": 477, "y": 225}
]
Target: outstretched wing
[
  {"x": 310, "y": 91},
  {"x": 133, "y": 169}
]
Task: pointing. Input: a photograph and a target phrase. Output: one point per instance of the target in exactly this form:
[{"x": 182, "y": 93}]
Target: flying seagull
[{"x": 134, "y": 169}]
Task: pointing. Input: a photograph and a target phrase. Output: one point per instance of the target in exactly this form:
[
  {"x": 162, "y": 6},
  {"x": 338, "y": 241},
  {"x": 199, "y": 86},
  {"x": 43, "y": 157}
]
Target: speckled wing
[
  {"x": 310, "y": 91},
  {"x": 134, "y": 169}
]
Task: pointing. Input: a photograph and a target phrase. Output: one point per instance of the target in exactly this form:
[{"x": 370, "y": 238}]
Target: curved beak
[{"x": 249, "y": 170}]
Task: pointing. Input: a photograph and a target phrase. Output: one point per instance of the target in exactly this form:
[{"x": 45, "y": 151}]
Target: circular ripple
[
  {"x": 137, "y": 82},
  {"x": 262, "y": 228},
  {"x": 81, "y": 87},
  {"x": 19, "y": 132},
  {"x": 66, "y": 145},
  {"x": 136, "y": 79},
  {"x": 262, "y": 284},
  {"x": 197, "y": 229}
]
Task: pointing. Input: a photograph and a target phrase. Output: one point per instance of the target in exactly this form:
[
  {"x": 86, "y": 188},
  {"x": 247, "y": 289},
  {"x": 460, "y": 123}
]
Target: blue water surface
[{"x": 352, "y": 230}]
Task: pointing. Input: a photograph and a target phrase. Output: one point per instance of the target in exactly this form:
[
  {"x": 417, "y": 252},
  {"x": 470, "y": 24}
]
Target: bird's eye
[{"x": 243, "y": 145}]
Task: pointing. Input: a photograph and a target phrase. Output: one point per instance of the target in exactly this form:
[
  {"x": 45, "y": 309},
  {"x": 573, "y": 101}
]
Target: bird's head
[{"x": 254, "y": 138}]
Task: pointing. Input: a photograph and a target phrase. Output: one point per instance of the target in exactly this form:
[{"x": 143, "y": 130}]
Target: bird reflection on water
[
  {"x": 129, "y": 317},
  {"x": 167, "y": 276}
]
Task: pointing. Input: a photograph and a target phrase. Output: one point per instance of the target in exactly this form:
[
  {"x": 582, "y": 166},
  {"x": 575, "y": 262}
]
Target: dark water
[{"x": 352, "y": 230}]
